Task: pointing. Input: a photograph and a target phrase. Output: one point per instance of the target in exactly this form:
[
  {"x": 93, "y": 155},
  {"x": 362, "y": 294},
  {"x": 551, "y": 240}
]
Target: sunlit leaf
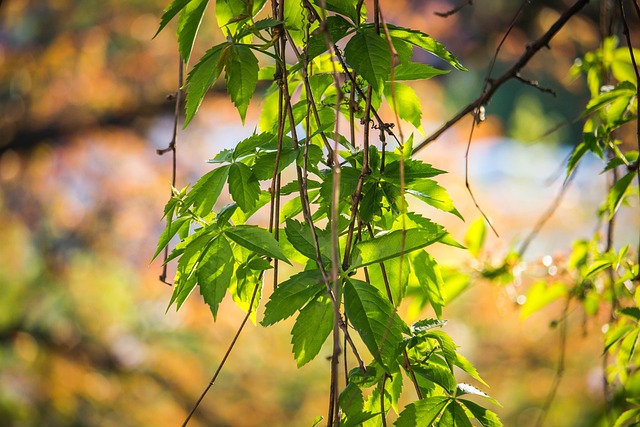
[
  {"x": 243, "y": 186},
  {"x": 422, "y": 412},
  {"x": 368, "y": 53},
  {"x": 214, "y": 273},
  {"x": 427, "y": 271},
  {"x": 614, "y": 199},
  {"x": 170, "y": 12},
  {"x": 416, "y": 71},
  {"x": 433, "y": 194},
  {"x": 241, "y": 74},
  {"x": 291, "y": 295},
  {"x": 375, "y": 319},
  {"x": 469, "y": 389},
  {"x": 188, "y": 25},
  {"x": 474, "y": 238},
  {"x": 405, "y": 102},
  {"x": 541, "y": 295},
  {"x": 206, "y": 191},
  {"x": 168, "y": 233},
  {"x": 256, "y": 239},
  {"x": 203, "y": 75},
  {"x": 436, "y": 374},
  {"x": 312, "y": 327}
]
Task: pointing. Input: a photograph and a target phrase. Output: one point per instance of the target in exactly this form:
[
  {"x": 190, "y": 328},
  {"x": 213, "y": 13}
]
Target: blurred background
[{"x": 84, "y": 337}]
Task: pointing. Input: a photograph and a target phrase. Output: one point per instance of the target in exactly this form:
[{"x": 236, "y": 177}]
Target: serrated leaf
[
  {"x": 265, "y": 162},
  {"x": 186, "y": 277},
  {"x": 426, "y": 324},
  {"x": 170, "y": 12},
  {"x": 416, "y": 71},
  {"x": 540, "y": 295},
  {"x": 405, "y": 102},
  {"x": 622, "y": 90},
  {"x": 300, "y": 237},
  {"x": 342, "y": 7},
  {"x": 422, "y": 412},
  {"x": 433, "y": 194},
  {"x": 485, "y": 417},
  {"x": 614, "y": 199},
  {"x": 188, "y": 25},
  {"x": 168, "y": 233},
  {"x": 312, "y": 327},
  {"x": 371, "y": 203},
  {"x": 425, "y": 42},
  {"x": 205, "y": 193},
  {"x": 241, "y": 74},
  {"x": 231, "y": 13},
  {"x": 447, "y": 346},
  {"x": 395, "y": 276},
  {"x": 413, "y": 170},
  {"x": 427, "y": 271},
  {"x": 291, "y": 295},
  {"x": 257, "y": 240},
  {"x": 375, "y": 319},
  {"x": 215, "y": 272},
  {"x": 246, "y": 286},
  {"x": 249, "y": 145},
  {"x": 259, "y": 264},
  {"x": 436, "y": 374},
  {"x": 203, "y": 75},
  {"x": 243, "y": 186},
  {"x": 368, "y": 53},
  {"x": 465, "y": 365},
  {"x": 455, "y": 416},
  {"x": 469, "y": 389},
  {"x": 394, "y": 244}
]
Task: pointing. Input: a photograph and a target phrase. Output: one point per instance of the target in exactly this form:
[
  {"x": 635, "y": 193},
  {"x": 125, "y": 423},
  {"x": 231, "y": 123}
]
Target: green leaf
[
  {"x": 170, "y": 12},
  {"x": 231, "y": 13},
  {"x": 241, "y": 74},
  {"x": 246, "y": 286},
  {"x": 394, "y": 244},
  {"x": 540, "y": 295},
  {"x": 243, "y": 186},
  {"x": 188, "y": 25},
  {"x": 628, "y": 416},
  {"x": 186, "y": 279},
  {"x": 167, "y": 234},
  {"x": 433, "y": 194},
  {"x": 257, "y": 240},
  {"x": 342, "y": 7},
  {"x": 425, "y": 42},
  {"x": 312, "y": 327},
  {"x": 474, "y": 238},
  {"x": 633, "y": 312},
  {"x": 423, "y": 412},
  {"x": 413, "y": 170},
  {"x": 368, "y": 53},
  {"x": 465, "y": 365},
  {"x": 203, "y": 75},
  {"x": 485, "y": 417},
  {"x": 447, "y": 346},
  {"x": 396, "y": 274},
  {"x": 427, "y": 271},
  {"x": 458, "y": 417},
  {"x": 248, "y": 146},
  {"x": 436, "y": 374},
  {"x": 291, "y": 295},
  {"x": 469, "y": 389},
  {"x": 215, "y": 272},
  {"x": 416, "y": 71},
  {"x": 614, "y": 199},
  {"x": 375, "y": 319},
  {"x": 300, "y": 237},
  {"x": 624, "y": 90},
  {"x": 205, "y": 193},
  {"x": 403, "y": 100},
  {"x": 265, "y": 162}
]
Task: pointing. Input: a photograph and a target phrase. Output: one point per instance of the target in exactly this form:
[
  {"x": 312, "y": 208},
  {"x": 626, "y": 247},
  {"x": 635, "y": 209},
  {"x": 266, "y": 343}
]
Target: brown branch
[
  {"x": 495, "y": 84},
  {"x": 172, "y": 148}
]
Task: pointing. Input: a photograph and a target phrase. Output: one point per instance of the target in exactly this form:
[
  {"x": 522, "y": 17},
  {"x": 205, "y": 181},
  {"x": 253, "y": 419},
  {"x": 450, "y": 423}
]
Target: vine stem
[{"x": 226, "y": 354}]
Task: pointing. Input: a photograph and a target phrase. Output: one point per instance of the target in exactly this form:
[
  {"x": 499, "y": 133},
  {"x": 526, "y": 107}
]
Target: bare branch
[{"x": 454, "y": 10}]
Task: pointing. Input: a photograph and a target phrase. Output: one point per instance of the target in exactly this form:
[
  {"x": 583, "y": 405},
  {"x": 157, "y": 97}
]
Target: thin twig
[
  {"x": 227, "y": 353},
  {"x": 495, "y": 84},
  {"x": 172, "y": 148}
]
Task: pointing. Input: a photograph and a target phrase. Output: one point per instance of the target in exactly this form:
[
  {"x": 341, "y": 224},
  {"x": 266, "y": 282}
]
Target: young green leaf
[
  {"x": 188, "y": 25},
  {"x": 167, "y": 234},
  {"x": 403, "y": 100},
  {"x": 427, "y": 271},
  {"x": 416, "y": 71},
  {"x": 203, "y": 75},
  {"x": 368, "y": 53},
  {"x": 312, "y": 327},
  {"x": 540, "y": 295},
  {"x": 170, "y": 12},
  {"x": 375, "y": 319},
  {"x": 475, "y": 235},
  {"x": 422, "y": 412},
  {"x": 485, "y": 417},
  {"x": 433, "y": 194},
  {"x": 423, "y": 41},
  {"x": 256, "y": 239},
  {"x": 241, "y": 74},
  {"x": 186, "y": 277},
  {"x": 205, "y": 193},
  {"x": 215, "y": 272},
  {"x": 243, "y": 186},
  {"x": 291, "y": 295},
  {"x": 614, "y": 199},
  {"x": 436, "y": 374},
  {"x": 394, "y": 244}
]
